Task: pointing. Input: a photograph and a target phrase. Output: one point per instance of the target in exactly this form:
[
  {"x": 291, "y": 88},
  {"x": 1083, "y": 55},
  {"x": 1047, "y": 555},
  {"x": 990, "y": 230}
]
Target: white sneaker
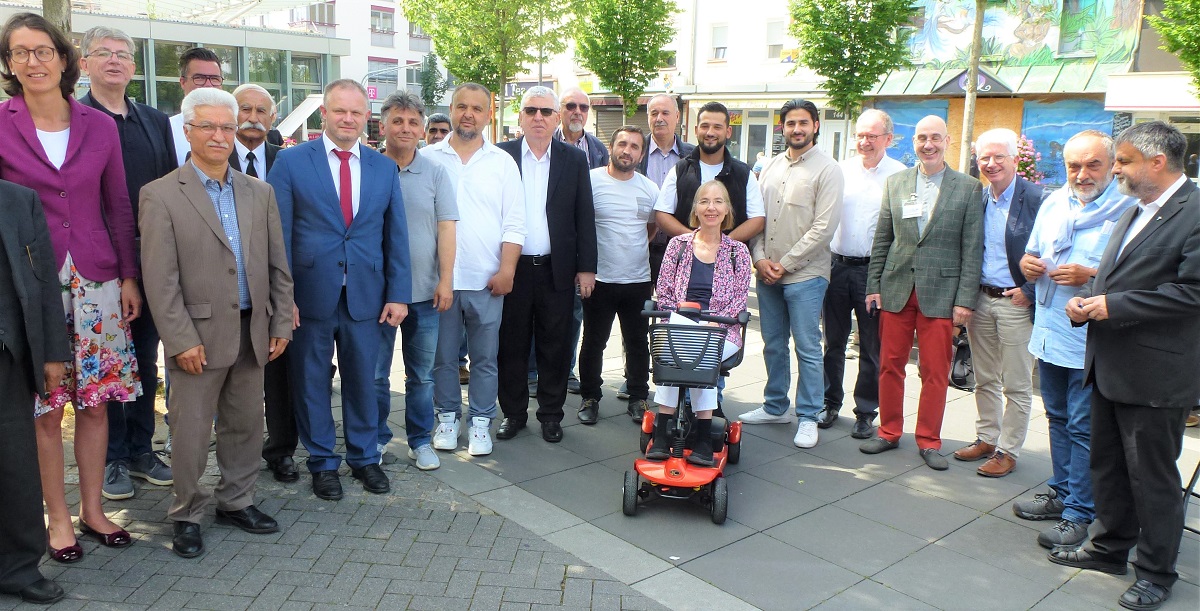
[
  {"x": 761, "y": 416},
  {"x": 445, "y": 435},
  {"x": 480, "y": 437},
  {"x": 806, "y": 434},
  {"x": 425, "y": 457}
]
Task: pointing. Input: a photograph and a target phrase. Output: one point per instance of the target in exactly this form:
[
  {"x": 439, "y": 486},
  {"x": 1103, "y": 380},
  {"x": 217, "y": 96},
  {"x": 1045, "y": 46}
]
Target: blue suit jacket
[
  {"x": 1026, "y": 201},
  {"x": 371, "y": 254}
]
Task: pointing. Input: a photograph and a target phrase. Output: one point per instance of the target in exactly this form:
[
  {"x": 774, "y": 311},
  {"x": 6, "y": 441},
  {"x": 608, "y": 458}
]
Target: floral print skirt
[{"x": 104, "y": 368}]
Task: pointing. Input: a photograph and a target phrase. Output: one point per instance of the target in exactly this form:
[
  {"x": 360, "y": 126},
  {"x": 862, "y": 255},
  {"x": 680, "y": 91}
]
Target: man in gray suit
[
  {"x": 218, "y": 284},
  {"x": 924, "y": 275},
  {"x": 1142, "y": 311},
  {"x": 33, "y": 346}
]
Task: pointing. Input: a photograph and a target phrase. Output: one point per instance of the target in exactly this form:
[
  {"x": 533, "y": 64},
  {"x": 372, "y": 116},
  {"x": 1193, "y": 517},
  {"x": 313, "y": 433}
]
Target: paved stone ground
[{"x": 538, "y": 526}]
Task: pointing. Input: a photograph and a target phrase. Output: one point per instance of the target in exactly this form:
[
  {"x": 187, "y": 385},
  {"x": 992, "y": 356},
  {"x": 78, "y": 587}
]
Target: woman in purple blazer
[{"x": 71, "y": 155}]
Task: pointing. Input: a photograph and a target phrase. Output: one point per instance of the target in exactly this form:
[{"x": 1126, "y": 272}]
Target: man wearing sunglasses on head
[{"x": 198, "y": 67}]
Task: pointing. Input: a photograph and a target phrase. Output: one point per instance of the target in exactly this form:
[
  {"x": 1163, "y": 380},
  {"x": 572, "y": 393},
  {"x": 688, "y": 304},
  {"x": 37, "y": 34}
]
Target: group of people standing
[{"x": 254, "y": 265}]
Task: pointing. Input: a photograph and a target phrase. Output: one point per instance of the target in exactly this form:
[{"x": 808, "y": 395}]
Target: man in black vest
[
  {"x": 148, "y": 153},
  {"x": 711, "y": 160},
  {"x": 254, "y": 155}
]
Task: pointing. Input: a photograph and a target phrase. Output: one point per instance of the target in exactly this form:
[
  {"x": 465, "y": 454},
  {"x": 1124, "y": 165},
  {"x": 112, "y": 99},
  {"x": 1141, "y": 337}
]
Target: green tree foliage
[
  {"x": 851, "y": 43},
  {"x": 489, "y": 42},
  {"x": 1179, "y": 27},
  {"x": 621, "y": 42},
  {"x": 433, "y": 84}
]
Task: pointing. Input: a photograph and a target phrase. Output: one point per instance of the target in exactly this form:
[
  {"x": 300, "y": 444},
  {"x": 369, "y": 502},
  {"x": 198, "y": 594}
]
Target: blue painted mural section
[
  {"x": 1050, "y": 124},
  {"x": 905, "y": 115}
]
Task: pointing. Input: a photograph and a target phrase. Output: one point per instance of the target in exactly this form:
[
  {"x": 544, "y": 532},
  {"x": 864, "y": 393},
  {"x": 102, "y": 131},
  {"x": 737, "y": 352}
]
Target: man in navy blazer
[
  {"x": 347, "y": 242},
  {"x": 1142, "y": 311},
  {"x": 559, "y": 252},
  {"x": 1003, "y": 321}
]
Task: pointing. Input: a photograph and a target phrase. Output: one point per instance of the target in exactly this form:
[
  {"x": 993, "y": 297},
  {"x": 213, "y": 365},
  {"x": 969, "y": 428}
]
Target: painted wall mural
[
  {"x": 1050, "y": 124},
  {"x": 1026, "y": 32},
  {"x": 905, "y": 115}
]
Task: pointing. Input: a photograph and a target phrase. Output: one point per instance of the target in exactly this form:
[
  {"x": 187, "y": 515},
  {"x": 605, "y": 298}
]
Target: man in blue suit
[{"x": 347, "y": 242}]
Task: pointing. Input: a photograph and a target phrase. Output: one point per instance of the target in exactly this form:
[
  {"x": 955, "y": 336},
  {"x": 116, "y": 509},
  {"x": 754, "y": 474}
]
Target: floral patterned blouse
[{"x": 731, "y": 278}]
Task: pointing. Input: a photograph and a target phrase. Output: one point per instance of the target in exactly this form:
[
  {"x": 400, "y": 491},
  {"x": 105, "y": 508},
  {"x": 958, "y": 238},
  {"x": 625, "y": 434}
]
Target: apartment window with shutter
[
  {"x": 776, "y": 30},
  {"x": 720, "y": 41}
]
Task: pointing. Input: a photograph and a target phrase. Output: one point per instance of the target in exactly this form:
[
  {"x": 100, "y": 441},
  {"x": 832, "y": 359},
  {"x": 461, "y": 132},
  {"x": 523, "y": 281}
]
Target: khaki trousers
[{"x": 999, "y": 334}]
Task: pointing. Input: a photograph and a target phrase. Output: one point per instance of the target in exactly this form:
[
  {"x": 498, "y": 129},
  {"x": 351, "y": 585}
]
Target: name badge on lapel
[{"x": 912, "y": 207}]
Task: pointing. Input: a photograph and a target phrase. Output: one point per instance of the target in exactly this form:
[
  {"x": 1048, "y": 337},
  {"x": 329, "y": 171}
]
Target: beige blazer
[{"x": 190, "y": 273}]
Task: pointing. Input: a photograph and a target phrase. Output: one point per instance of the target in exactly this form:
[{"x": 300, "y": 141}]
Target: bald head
[
  {"x": 1088, "y": 157},
  {"x": 930, "y": 140},
  {"x": 573, "y": 108}
]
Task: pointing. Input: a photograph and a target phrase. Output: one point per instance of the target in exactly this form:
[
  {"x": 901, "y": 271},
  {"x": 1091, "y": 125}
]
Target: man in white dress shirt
[{"x": 198, "y": 67}]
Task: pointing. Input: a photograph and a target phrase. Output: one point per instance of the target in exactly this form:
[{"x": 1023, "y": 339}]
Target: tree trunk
[
  {"x": 58, "y": 12},
  {"x": 968, "y": 130}
]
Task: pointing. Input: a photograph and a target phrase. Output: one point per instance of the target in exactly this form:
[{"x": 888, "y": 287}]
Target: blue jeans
[
  {"x": 1068, "y": 408},
  {"x": 418, "y": 340},
  {"x": 793, "y": 310}
]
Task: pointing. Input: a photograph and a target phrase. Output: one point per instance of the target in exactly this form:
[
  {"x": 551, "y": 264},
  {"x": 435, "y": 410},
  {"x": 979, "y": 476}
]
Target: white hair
[
  {"x": 208, "y": 96},
  {"x": 1007, "y": 137},
  {"x": 256, "y": 88},
  {"x": 540, "y": 91}
]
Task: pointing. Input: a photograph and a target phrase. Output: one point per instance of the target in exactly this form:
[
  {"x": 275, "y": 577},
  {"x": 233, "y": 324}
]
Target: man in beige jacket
[
  {"x": 802, "y": 190},
  {"x": 218, "y": 284}
]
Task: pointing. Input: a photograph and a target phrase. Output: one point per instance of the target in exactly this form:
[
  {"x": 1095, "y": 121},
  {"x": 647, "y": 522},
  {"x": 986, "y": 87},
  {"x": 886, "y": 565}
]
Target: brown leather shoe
[
  {"x": 976, "y": 451},
  {"x": 999, "y": 465}
]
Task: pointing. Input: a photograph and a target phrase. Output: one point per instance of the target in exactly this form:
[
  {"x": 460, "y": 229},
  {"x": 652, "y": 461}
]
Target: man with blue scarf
[{"x": 1069, "y": 236}]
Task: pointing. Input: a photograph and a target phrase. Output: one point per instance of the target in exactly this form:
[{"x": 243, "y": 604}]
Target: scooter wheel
[
  {"x": 645, "y": 439},
  {"x": 720, "y": 500},
  {"x": 734, "y": 452},
  {"x": 630, "y": 494}
]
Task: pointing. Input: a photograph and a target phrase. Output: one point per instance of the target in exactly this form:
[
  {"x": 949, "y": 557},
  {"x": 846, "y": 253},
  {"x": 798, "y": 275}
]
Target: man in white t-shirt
[{"x": 624, "y": 201}]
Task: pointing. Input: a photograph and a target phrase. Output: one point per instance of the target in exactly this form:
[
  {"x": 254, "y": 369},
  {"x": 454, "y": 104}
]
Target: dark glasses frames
[{"x": 533, "y": 110}]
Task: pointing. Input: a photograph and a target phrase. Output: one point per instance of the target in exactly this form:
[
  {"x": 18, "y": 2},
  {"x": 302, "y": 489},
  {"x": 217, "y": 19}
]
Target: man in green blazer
[{"x": 923, "y": 277}]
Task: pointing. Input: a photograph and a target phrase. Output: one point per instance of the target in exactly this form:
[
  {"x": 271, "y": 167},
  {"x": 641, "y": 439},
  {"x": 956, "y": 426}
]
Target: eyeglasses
[
  {"x": 201, "y": 80},
  {"x": 43, "y": 54},
  {"x": 209, "y": 129},
  {"x": 534, "y": 110},
  {"x": 935, "y": 138},
  {"x": 105, "y": 55},
  {"x": 995, "y": 158},
  {"x": 571, "y": 106},
  {"x": 869, "y": 137}
]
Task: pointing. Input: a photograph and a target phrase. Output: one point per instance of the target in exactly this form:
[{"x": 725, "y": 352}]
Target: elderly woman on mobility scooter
[{"x": 708, "y": 268}]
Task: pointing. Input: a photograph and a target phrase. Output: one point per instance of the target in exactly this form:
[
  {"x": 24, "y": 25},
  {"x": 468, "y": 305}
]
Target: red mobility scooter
[{"x": 687, "y": 356}]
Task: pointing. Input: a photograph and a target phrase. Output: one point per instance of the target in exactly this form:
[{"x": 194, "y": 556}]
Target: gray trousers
[{"x": 478, "y": 312}]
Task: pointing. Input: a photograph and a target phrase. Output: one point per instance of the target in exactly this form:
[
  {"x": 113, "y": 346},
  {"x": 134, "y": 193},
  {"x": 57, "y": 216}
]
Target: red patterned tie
[{"x": 347, "y": 195}]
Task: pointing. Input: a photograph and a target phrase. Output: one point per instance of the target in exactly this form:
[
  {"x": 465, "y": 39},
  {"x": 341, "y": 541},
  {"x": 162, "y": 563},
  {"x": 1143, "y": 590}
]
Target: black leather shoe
[
  {"x": 373, "y": 479},
  {"x": 187, "y": 541},
  {"x": 552, "y": 432},
  {"x": 636, "y": 410},
  {"x": 249, "y": 519},
  {"x": 1074, "y": 557},
  {"x": 1144, "y": 595},
  {"x": 284, "y": 469},
  {"x": 590, "y": 412},
  {"x": 326, "y": 485},
  {"x": 863, "y": 429},
  {"x": 826, "y": 418},
  {"x": 509, "y": 427},
  {"x": 42, "y": 592}
]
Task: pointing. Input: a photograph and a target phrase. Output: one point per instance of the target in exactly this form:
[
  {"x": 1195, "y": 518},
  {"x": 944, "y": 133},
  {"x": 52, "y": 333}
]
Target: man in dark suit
[
  {"x": 33, "y": 346},
  {"x": 255, "y": 156},
  {"x": 148, "y": 153},
  {"x": 1002, "y": 323},
  {"x": 559, "y": 252},
  {"x": 924, "y": 276},
  {"x": 1142, "y": 311},
  {"x": 343, "y": 220}
]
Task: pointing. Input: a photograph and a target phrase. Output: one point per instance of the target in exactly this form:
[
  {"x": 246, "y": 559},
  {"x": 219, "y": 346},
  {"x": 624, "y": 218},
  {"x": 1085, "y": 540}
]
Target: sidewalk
[{"x": 539, "y": 526}]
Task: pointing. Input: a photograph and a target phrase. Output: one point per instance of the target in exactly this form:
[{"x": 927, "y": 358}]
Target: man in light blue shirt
[{"x": 1064, "y": 250}]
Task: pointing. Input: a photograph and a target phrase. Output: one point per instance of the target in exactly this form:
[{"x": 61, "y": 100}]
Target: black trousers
[
  {"x": 534, "y": 306},
  {"x": 657, "y": 252},
  {"x": 282, "y": 437},
  {"x": 131, "y": 424},
  {"x": 847, "y": 292},
  {"x": 624, "y": 302},
  {"x": 1136, "y": 485},
  {"x": 22, "y": 530}
]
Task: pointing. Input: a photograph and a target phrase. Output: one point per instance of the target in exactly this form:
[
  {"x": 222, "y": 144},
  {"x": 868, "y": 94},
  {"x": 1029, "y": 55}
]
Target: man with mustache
[
  {"x": 148, "y": 153},
  {"x": 218, "y": 283},
  {"x": 254, "y": 156},
  {"x": 999, "y": 330},
  {"x": 1071, "y": 232},
  {"x": 924, "y": 276}
]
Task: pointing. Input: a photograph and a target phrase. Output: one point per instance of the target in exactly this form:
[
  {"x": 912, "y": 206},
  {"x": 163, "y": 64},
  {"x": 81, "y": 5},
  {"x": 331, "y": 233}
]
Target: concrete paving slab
[
  {"x": 767, "y": 571},
  {"x": 847, "y": 539},
  {"x": 528, "y": 457},
  {"x": 675, "y": 531},
  {"x": 608, "y": 553},
  {"x": 868, "y": 594},
  {"x": 607, "y": 438},
  {"x": 588, "y": 492},
  {"x": 844, "y": 451},
  {"x": 815, "y": 476},
  {"x": 683, "y": 591},
  {"x": 526, "y": 509},
  {"x": 941, "y": 577},
  {"x": 1008, "y": 546},
  {"x": 760, "y": 504},
  {"x": 916, "y": 513},
  {"x": 962, "y": 486}
]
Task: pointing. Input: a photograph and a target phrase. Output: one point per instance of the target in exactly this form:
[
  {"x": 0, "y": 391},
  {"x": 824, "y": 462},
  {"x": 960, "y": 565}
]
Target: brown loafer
[
  {"x": 999, "y": 465},
  {"x": 976, "y": 451}
]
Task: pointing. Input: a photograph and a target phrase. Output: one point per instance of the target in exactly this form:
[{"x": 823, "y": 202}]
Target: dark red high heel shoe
[
  {"x": 66, "y": 555},
  {"x": 120, "y": 538}
]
